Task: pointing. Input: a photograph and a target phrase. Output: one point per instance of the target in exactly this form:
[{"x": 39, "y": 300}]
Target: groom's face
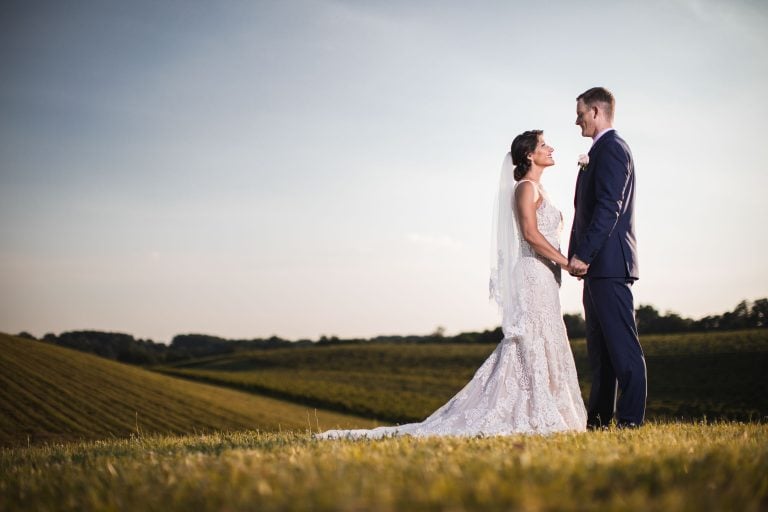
[{"x": 585, "y": 118}]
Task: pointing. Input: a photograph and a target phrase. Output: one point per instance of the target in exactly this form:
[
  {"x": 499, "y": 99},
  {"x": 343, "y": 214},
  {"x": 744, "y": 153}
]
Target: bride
[{"x": 528, "y": 384}]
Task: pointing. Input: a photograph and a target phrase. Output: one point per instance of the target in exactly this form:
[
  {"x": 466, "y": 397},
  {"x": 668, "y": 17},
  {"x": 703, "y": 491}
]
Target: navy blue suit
[{"x": 603, "y": 236}]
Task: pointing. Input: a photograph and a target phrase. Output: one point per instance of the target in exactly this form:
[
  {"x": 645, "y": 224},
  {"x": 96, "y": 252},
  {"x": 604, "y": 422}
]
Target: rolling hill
[
  {"x": 717, "y": 375},
  {"x": 49, "y": 393}
]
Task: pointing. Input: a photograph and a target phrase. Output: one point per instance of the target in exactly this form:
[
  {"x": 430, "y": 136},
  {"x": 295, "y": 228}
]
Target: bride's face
[{"x": 542, "y": 156}]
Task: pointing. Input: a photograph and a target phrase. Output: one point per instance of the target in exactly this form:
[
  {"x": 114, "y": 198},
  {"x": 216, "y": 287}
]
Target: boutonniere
[{"x": 583, "y": 162}]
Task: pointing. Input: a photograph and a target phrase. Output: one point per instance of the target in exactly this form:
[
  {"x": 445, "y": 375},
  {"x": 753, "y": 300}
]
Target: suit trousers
[{"x": 615, "y": 354}]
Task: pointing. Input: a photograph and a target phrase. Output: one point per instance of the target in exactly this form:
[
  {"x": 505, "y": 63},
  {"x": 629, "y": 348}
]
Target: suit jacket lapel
[
  {"x": 592, "y": 155},
  {"x": 579, "y": 179}
]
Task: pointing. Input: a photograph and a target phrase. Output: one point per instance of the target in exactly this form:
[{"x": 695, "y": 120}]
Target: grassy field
[
  {"x": 53, "y": 394},
  {"x": 660, "y": 467},
  {"x": 48, "y": 393},
  {"x": 717, "y": 375}
]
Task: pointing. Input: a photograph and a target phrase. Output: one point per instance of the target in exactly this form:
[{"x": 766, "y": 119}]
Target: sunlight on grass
[
  {"x": 721, "y": 466},
  {"x": 50, "y": 393}
]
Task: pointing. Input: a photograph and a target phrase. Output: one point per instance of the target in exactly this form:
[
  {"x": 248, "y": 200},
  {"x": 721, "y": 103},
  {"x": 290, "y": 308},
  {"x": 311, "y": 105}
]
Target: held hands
[{"x": 577, "y": 268}]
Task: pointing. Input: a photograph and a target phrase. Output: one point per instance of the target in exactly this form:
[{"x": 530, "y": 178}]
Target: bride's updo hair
[{"x": 523, "y": 145}]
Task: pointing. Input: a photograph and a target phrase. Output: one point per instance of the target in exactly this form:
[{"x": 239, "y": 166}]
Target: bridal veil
[{"x": 505, "y": 282}]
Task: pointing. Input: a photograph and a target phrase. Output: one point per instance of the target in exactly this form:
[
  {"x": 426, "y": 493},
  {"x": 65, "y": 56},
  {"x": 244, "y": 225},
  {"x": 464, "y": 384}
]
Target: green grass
[
  {"x": 714, "y": 375},
  {"x": 49, "y": 393},
  {"x": 390, "y": 382},
  {"x": 661, "y": 467},
  {"x": 54, "y": 394}
]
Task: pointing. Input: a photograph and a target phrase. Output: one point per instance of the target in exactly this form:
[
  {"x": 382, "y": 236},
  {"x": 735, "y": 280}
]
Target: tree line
[
  {"x": 127, "y": 349},
  {"x": 746, "y": 315}
]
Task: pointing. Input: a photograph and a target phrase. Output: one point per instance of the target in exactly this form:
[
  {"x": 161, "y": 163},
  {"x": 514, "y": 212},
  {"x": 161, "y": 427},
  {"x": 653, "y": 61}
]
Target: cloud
[
  {"x": 741, "y": 18},
  {"x": 434, "y": 241}
]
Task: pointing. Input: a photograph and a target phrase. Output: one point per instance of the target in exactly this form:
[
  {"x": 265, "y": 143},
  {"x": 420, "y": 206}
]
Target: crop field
[
  {"x": 661, "y": 467},
  {"x": 49, "y": 393},
  {"x": 245, "y": 451},
  {"x": 690, "y": 376}
]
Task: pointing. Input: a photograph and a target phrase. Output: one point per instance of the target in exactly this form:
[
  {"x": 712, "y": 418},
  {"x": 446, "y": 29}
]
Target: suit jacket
[{"x": 603, "y": 233}]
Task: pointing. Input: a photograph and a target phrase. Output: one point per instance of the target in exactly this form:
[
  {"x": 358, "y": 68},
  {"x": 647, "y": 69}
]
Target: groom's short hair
[{"x": 599, "y": 95}]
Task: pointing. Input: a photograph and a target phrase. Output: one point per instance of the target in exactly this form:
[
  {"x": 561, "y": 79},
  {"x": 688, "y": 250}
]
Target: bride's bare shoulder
[{"x": 527, "y": 191}]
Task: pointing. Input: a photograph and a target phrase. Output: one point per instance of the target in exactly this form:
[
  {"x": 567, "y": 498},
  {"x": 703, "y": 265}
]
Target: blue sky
[{"x": 328, "y": 167}]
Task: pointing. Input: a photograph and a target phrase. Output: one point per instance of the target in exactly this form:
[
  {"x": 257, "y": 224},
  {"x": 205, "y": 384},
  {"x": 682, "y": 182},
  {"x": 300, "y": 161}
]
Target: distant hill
[
  {"x": 715, "y": 374},
  {"x": 127, "y": 349},
  {"x": 49, "y": 393}
]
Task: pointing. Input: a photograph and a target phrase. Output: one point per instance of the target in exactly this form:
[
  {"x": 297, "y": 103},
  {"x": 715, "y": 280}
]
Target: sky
[{"x": 314, "y": 167}]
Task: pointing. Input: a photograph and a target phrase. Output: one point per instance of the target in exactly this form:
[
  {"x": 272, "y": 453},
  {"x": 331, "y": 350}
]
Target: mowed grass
[
  {"x": 49, "y": 393},
  {"x": 661, "y": 467},
  {"x": 714, "y": 375}
]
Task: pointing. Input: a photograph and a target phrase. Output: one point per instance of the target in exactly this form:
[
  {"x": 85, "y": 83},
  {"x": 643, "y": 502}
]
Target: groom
[{"x": 603, "y": 251}]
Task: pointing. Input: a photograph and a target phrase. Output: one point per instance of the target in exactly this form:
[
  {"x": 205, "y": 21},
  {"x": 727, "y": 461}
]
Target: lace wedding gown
[{"x": 528, "y": 384}]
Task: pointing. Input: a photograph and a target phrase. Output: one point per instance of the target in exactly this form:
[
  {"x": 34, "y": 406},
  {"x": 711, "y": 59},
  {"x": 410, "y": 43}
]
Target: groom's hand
[{"x": 577, "y": 267}]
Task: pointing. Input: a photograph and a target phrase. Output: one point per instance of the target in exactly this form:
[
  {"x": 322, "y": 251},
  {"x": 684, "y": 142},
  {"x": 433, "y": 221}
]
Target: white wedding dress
[{"x": 528, "y": 384}]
